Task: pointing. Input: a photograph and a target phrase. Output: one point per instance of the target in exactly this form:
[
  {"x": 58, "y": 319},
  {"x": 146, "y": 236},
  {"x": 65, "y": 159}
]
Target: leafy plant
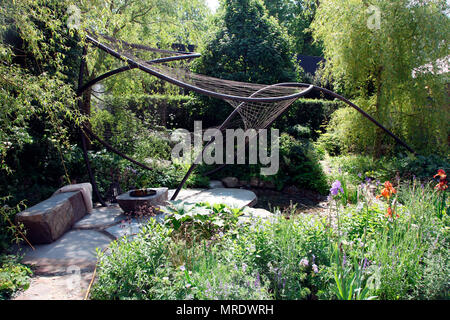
[
  {"x": 201, "y": 221},
  {"x": 349, "y": 279},
  {"x": 13, "y": 276}
]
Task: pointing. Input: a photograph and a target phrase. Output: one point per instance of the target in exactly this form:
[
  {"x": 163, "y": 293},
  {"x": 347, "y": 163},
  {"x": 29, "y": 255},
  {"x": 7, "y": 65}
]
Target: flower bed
[{"x": 355, "y": 252}]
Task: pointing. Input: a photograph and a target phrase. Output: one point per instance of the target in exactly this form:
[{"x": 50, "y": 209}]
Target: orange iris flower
[
  {"x": 441, "y": 174},
  {"x": 387, "y": 191},
  {"x": 442, "y": 185}
]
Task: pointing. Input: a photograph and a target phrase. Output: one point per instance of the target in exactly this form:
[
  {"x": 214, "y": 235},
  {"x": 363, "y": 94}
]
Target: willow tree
[
  {"x": 157, "y": 23},
  {"x": 374, "y": 48}
]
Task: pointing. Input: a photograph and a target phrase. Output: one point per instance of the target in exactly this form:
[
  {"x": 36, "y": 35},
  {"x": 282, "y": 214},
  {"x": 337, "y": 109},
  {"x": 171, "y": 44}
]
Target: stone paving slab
[
  {"x": 130, "y": 227},
  {"x": 185, "y": 193},
  {"x": 75, "y": 248},
  {"x": 238, "y": 198},
  {"x": 71, "y": 286},
  {"x": 229, "y": 196},
  {"x": 100, "y": 218}
]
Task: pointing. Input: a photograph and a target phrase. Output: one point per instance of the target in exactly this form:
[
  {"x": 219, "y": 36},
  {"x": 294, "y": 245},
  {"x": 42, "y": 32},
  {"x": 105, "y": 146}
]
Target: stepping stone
[
  {"x": 77, "y": 248},
  {"x": 100, "y": 218},
  {"x": 236, "y": 198}
]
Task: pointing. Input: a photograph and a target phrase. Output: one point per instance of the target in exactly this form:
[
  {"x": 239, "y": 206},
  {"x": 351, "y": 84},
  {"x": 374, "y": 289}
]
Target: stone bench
[{"x": 50, "y": 219}]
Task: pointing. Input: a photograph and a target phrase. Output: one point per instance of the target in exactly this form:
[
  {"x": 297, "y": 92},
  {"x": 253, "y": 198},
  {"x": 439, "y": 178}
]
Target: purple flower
[
  {"x": 365, "y": 264},
  {"x": 360, "y": 175},
  {"x": 345, "y": 260},
  {"x": 336, "y": 187},
  {"x": 368, "y": 180},
  {"x": 257, "y": 280},
  {"x": 314, "y": 258},
  {"x": 315, "y": 268}
]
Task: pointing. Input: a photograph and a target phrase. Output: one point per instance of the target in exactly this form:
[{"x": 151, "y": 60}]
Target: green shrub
[
  {"x": 201, "y": 221},
  {"x": 13, "y": 276},
  {"x": 310, "y": 113},
  {"x": 329, "y": 143},
  {"x": 358, "y": 167},
  {"x": 299, "y": 165},
  {"x": 299, "y": 132},
  {"x": 10, "y": 232},
  {"x": 131, "y": 268}
]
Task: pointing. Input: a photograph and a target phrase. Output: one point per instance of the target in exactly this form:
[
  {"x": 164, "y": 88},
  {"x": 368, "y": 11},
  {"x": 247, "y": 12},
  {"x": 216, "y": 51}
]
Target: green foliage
[
  {"x": 366, "y": 255},
  {"x": 349, "y": 279},
  {"x": 163, "y": 269},
  {"x": 13, "y": 276},
  {"x": 329, "y": 143},
  {"x": 375, "y": 63},
  {"x": 10, "y": 232},
  {"x": 299, "y": 165},
  {"x": 356, "y": 167},
  {"x": 34, "y": 75},
  {"x": 296, "y": 17},
  {"x": 131, "y": 267},
  {"x": 310, "y": 113},
  {"x": 201, "y": 221},
  {"x": 248, "y": 46}
]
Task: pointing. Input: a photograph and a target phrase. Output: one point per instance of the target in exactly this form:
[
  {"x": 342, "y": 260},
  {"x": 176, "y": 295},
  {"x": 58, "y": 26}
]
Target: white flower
[{"x": 182, "y": 268}]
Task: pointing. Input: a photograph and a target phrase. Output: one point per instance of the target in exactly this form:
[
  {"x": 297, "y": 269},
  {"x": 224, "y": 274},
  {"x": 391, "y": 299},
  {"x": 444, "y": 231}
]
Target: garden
[{"x": 358, "y": 207}]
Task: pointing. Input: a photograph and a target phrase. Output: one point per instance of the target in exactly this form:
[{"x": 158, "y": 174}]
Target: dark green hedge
[{"x": 181, "y": 111}]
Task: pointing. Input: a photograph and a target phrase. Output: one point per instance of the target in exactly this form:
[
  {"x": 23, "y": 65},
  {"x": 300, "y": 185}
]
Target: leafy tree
[
  {"x": 296, "y": 16},
  {"x": 248, "y": 46},
  {"x": 40, "y": 57},
  {"x": 373, "y": 48}
]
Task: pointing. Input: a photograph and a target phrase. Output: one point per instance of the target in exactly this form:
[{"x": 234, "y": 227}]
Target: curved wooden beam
[
  {"x": 186, "y": 85},
  {"x": 129, "y": 67}
]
